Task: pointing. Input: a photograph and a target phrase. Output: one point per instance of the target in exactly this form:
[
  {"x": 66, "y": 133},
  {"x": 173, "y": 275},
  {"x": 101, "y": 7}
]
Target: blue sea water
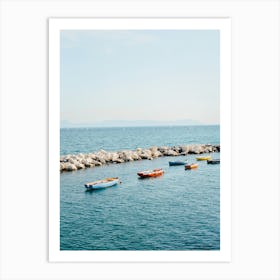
[
  {"x": 177, "y": 211},
  {"x": 85, "y": 140}
]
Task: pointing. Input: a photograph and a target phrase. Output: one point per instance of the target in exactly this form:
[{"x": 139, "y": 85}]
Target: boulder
[
  {"x": 153, "y": 149},
  {"x": 72, "y": 160},
  {"x": 70, "y": 167},
  {"x": 87, "y": 161},
  {"x": 146, "y": 154},
  {"x": 175, "y": 149},
  {"x": 208, "y": 148},
  {"x": 156, "y": 154},
  {"x": 80, "y": 166},
  {"x": 195, "y": 149},
  {"x": 104, "y": 156},
  {"x": 108, "y": 157},
  {"x": 96, "y": 163},
  {"x": 63, "y": 159},
  {"x": 170, "y": 153},
  {"x": 100, "y": 159},
  {"x": 62, "y": 166},
  {"x": 163, "y": 149},
  {"x": 114, "y": 157},
  {"x": 92, "y": 156},
  {"x": 184, "y": 149},
  {"x": 126, "y": 155},
  {"x": 135, "y": 156},
  {"x": 67, "y": 158}
]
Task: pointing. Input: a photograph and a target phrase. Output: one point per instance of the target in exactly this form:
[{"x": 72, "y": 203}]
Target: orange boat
[
  {"x": 191, "y": 166},
  {"x": 150, "y": 173}
]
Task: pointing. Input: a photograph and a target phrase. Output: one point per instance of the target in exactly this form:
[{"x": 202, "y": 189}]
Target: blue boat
[
  {"x": 102, "y": 184},
  {"x": 213, "y": 161},
  {"x": 173, "y": 163}
]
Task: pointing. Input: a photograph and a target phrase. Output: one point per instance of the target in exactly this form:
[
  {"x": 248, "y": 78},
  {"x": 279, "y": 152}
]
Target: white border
[{"x": 221, "y": 24}]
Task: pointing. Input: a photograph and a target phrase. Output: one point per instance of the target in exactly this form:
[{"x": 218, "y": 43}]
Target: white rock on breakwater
[{"x": 81, "y": 161}]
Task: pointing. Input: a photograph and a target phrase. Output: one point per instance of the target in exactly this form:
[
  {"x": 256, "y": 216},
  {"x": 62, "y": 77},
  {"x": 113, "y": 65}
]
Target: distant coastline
[
  {"x": 139, "y": 126},
  {"x": 136, "y": 123}
]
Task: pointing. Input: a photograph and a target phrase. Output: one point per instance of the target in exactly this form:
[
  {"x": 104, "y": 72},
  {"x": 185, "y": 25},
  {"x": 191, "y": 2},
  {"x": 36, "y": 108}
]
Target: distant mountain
[
  {"x": 125, "y": 123},
  {"x": 146, "y": 123}
]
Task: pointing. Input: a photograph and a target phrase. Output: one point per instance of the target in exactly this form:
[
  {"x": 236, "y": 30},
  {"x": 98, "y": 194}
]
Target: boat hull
[
  {"x": 191, "y": 166},
  {"x": 102, "y": 185},
  {"x": 175, "y": 163},
  {"x": 203, "y": 158},
  {"x": 213, "y": 161},
  {"x": 150, "y": 174}
]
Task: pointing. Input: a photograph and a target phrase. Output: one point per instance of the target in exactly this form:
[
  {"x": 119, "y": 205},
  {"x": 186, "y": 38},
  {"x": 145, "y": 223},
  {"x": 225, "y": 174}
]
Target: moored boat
[
  {"x": 173, "y": 163},
  {"x": 213, "y": 161},
  {"x": 191, "y": 166},
  {"x": 150, "y": 173},
  {"x": 101, "y": 184},
  {"x": 204, "y": 158}
]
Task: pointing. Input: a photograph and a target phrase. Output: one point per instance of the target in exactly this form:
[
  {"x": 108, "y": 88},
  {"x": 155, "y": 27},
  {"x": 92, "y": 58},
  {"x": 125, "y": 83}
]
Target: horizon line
[{"x": 123, "y": 126}]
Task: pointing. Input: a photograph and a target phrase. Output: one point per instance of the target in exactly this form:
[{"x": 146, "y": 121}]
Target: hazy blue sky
[{"x": 140, "y": 75}]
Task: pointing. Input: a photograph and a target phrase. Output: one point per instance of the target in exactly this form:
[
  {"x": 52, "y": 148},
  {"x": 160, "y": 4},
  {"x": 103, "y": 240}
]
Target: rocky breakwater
[{"x": 81, "y": 161}]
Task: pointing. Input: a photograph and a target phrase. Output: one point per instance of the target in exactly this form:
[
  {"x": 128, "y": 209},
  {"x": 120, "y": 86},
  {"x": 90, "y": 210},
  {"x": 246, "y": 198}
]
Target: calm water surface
[
  {"x": 85, "y": 140},
  {"x": 177, "y": 211}
]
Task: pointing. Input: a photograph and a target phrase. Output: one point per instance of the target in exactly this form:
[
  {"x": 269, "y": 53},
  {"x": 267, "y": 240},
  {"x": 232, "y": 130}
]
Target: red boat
[{"x": 150, "y": 173}]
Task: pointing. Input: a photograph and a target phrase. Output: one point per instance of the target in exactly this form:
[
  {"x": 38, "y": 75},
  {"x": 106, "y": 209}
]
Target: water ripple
[{"x": 178, "y": 211}]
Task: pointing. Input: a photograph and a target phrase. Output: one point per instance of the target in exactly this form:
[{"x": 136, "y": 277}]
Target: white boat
[{"x": 101, "y": 184}]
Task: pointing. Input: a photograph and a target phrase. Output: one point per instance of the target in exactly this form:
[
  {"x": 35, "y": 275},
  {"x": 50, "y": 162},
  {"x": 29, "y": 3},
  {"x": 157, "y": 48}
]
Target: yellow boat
[{"x": 204, "y": 158}]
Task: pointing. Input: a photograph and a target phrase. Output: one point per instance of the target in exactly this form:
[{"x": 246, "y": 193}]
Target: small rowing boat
[
  {"x": 191, "y": 166},
  {"x": 150, "y": 173},
  {"x": 101, "y": 184},
  {"x": 213, "y": 161},
  {"x": 204, "y": 158},
  {"x": 173, "y": 163}
]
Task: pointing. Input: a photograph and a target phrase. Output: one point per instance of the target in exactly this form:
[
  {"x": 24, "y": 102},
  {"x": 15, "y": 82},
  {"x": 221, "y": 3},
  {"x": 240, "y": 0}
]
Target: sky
[{"x": 139, "y": 75}]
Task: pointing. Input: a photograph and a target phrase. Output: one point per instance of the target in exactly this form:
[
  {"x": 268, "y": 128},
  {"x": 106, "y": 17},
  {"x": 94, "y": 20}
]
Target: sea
[{"x": 178, "y": 211}]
